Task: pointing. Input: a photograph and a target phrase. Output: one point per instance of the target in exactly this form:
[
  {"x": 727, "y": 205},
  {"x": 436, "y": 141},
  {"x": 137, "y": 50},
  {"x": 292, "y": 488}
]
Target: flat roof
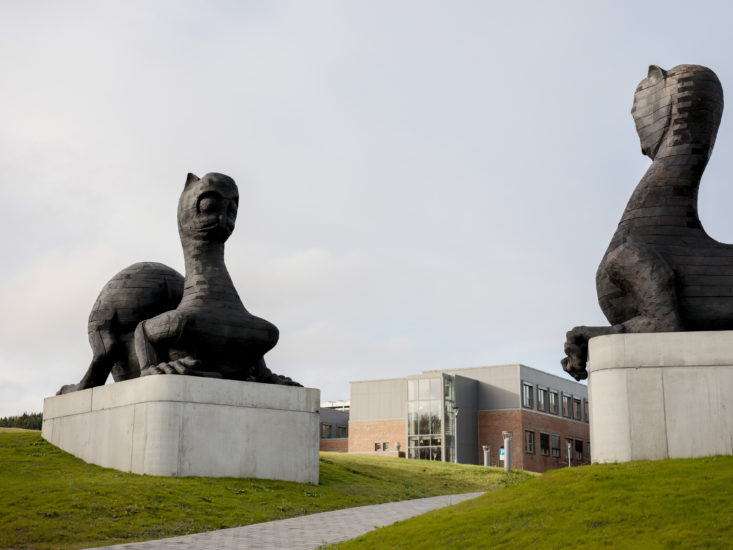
[{"x": 458, "y": 369}]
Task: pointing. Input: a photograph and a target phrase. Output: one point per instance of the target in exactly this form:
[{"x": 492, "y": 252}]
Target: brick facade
[
  {"x": 363, "y": 436},
  {"x": 492, "y": 423},
  {"x": 335, "y": 444}
]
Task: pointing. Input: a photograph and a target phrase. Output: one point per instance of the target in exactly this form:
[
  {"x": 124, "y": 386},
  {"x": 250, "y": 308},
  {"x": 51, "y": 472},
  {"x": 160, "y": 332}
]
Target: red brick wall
[
  {"x": 336, "y": 444},
  {"x": 363, "y": 436},
  {"x": 491, "y": 424}
]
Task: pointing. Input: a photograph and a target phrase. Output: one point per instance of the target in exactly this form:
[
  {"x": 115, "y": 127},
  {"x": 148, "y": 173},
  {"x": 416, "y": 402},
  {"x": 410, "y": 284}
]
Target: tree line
[{"x": 32, "y": 421}]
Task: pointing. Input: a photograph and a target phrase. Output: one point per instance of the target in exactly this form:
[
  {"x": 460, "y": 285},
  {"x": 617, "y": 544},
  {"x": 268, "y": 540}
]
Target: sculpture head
[
  {"x": 207, "y": 209},
  {"x": 677, "y": 112}
]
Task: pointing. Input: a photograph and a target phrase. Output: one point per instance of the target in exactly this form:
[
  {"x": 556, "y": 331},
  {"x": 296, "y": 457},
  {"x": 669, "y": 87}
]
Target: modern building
[
  {"x": 334, "y": 426},
  {"x": 336, "y": 405},
  {"x": 450, "y": 415}
]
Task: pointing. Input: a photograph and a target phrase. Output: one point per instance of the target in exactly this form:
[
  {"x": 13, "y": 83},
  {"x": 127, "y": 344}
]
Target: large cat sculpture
[
  {"x": 150, "y": 320},
  {"x": 661, "y": 271}
]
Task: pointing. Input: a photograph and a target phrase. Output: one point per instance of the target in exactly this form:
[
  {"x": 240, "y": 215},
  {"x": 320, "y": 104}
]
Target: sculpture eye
[{"x": 209, "y": 202}]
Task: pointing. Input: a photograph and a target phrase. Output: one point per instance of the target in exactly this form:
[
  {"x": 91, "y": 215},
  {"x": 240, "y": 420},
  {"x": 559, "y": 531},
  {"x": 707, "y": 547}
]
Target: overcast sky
[{"x": 423, "y": 185}]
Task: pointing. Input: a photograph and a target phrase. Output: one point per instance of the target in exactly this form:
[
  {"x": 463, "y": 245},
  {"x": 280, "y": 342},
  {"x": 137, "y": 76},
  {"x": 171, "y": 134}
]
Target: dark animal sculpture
[
  {"x": 149, "y": 320},
  {"x": 662, "y": 272}
]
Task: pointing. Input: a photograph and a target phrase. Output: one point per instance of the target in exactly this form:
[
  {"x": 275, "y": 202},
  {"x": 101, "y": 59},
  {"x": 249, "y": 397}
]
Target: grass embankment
[
  {"x": 49, "y": 499},
  {"x": 657, "y": 504}
]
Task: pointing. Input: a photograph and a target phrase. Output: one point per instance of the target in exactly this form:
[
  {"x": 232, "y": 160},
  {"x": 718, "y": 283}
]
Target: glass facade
[{"x": 431, "y": 418}]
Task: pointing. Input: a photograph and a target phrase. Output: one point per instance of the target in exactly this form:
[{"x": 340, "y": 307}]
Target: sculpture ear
[
  {"x": 190, "y": 179},
  {"x": 656, "y": 73}
]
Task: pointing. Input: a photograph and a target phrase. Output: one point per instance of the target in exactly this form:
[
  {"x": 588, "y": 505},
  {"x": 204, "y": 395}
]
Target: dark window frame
[
  {"x": 579, "y": 450},
  {"x": 527, "y": 392},
  {"x": 553, "y": 449},
  {"x": 544, "y": 449},
  {"x": 577, "y": 409},
  {"x": 566, "y": 405},
  {"x": 543, "y": 404},
  {"x": 529, "y": 442},
  {"x": 556, "y": 408}
]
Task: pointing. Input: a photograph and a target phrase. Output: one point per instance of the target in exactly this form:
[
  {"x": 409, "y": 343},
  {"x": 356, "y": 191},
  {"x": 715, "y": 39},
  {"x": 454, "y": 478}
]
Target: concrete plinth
[
  {"x": 664, "y": 395},
  {"x": 173, "y": 425}
]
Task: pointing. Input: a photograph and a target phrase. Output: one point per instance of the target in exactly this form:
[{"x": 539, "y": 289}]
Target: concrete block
[
  {"x": 189, "y": 426},
  {"x": 663, "y": 395},
  {"x": 610, "y": 433}
]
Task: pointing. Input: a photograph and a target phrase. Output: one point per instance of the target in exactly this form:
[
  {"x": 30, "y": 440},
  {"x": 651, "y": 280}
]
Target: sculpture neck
[
  {"x": 206, "y": 273},
  {"x": 667, "y": 194}
]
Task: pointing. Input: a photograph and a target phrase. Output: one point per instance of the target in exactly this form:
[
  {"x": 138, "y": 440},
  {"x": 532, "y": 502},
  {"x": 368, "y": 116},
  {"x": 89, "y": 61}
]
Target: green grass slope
[
  {"x": 654, "y": 504},
  {"x": 49, "y": 499}
]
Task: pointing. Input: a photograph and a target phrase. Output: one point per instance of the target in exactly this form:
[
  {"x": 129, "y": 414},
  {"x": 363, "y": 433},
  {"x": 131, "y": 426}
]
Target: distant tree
[{"x": 32, "y": 421}]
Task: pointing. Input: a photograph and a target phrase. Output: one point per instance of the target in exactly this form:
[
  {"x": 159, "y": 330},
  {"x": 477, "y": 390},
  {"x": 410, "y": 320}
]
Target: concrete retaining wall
[
  {"x": 664, "y": 395},
  {"x": 173, "y": 425}
]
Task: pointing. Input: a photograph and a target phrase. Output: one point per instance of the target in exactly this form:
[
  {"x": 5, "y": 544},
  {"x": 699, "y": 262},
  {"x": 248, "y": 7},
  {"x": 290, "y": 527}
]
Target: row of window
[
  {"x": 550, "y": 445},
  {"x": 327, "y": 431},
  {"x": 384, "y": 446},
  {"x": 549, "y": 401}
]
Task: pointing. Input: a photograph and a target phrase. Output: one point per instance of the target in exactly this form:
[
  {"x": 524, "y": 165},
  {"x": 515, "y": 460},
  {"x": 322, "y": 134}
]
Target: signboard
[{"x": 501, "y": 454}]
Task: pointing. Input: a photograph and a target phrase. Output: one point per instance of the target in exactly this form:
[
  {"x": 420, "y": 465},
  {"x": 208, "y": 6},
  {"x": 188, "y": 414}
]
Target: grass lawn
[
  {"x": 655, "y": 504},
  {"x": 49, "y": 499}
]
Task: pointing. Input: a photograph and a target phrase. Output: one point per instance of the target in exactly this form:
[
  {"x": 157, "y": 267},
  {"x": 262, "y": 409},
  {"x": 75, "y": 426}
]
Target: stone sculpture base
[
  {"x": 171, "y": 425},
  {"x": 664, "y": 395}
]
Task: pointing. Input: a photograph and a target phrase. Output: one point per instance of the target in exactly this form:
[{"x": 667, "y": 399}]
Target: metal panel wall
[{"x": 379, "y": 400}]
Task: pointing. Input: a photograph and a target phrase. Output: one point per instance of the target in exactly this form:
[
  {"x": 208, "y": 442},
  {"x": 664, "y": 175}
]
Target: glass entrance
[{"x": 427, "y": 416}]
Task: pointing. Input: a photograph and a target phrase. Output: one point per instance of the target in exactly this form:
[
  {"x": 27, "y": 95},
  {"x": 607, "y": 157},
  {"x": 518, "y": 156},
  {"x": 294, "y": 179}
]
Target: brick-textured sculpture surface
[
  {"x": 662, "y": 272},
  {"x": 149, "y": 320}
]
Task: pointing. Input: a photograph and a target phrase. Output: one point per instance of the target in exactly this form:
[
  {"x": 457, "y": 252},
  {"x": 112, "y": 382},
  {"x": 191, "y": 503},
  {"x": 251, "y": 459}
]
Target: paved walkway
[{"x": 304, "y": 532}]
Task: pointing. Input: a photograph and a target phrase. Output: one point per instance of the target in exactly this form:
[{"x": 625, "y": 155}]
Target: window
[
  {"x": 385, "y": 446},
  {"x": 529, "y": 441},
  {"x": 425, "y": 415},
  {"x": 527, "y": 395},
  {"x": 545, "y": 444},
  {"x": 325, "y": 431},
  {"x": 556, "y": 445},
  {"x": 554, "y": 402},
  {"x": 589, "y": 456},
  {"x": 585, "y": 408},
  {"x": 578, "y": 450},
  {"x": 342, "y": 431},
  {"x": 377, "y": 446},
  {"x": 542, "y": 400},
  {"x": 567, "y": 405},
  {"x": 577, "y": 412}
]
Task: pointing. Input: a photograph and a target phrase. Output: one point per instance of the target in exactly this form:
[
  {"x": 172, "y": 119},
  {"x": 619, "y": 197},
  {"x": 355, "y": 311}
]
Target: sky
[{"x": 423, "y": 185}]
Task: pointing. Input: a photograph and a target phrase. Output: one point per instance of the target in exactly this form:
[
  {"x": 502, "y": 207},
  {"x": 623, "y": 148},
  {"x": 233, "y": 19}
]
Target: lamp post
[
  {"x": 569, "y": 449},
  {"x": 507, "y": 450},
  {"x": 487, "y": 452}
]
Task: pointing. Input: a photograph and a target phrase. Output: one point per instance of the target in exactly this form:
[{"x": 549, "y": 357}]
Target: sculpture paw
[
  {"x": 185, "y": 365},
  {"x": 576, "y": 349},
  {"x": 67, "y": 388}
]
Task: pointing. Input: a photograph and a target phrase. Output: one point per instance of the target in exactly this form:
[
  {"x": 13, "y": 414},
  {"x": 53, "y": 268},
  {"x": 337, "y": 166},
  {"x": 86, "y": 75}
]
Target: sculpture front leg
[
  {"x": 156, "y": 333},
  {"x": 576, "y": 348},
  {"x": 105, "y": 348}
]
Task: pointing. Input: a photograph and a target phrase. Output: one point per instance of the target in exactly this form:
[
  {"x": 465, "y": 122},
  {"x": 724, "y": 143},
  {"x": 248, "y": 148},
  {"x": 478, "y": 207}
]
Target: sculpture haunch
[
  {"x": 149, "y": 320},
  {"x": 661, "y": 271}
]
